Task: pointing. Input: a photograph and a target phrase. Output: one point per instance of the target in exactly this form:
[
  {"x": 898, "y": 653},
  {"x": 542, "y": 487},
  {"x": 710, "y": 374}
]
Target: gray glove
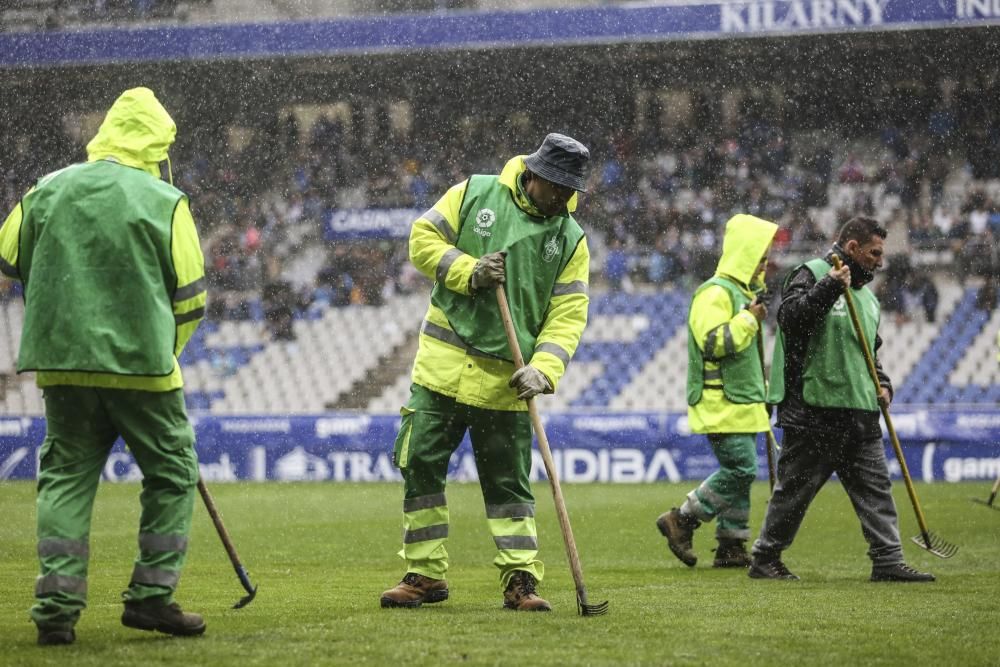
[
  {"x": 528, "y": 381},
  {"x": 489, "y": 271}
]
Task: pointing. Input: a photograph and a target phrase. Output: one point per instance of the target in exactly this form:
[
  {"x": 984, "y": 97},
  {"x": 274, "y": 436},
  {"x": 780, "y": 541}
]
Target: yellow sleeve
[
  {"x": 10, "y": 233},
  {"x": 189, "y": 265},
  {"x": 432, "y": 243},
  {"x": 717, "y": 332},
  {"x": 566, "y": 318}
]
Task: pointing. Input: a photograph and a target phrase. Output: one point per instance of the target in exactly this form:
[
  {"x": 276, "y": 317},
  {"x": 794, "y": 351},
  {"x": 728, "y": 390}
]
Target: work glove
[
  {"x": 528, "y": 382},
  {"x": 488, "y": 272}
]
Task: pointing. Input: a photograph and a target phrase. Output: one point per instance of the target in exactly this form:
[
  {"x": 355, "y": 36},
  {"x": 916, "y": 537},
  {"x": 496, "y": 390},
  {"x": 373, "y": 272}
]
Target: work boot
[
  {"x": 679, "y": 531},
  {"x": 520, "y": 594},
  {"x": 771, "y": 568},
  {"x": 55, "y": 635},
  {"x": 155, "y": 614},
  {"x": 731, "y": 553},
  {"x": 899, "y": 572},
  {"x": 414, "y": 590}
]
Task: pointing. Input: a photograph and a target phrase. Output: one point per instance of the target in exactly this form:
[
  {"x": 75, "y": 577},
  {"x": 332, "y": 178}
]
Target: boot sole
[
  {"x": 141, "y": 623},
  {"x": 754, "y": 574},
  {"x": 430, "y": 598},
  {"x": 690, "y": 561}
]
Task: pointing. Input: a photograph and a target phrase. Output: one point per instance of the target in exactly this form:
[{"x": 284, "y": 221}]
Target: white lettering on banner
[
  {"x": 395, "y": 222},
  {"x": 966, "y": 9},
  {"x": 255, "y": 425},
  {"x": 466, "y": 471},
  {"x": 258, "y": 464},
  {"x": 771, "y": 15},
  {"x": 131, "y": 474},
  {"x": 12, "y": 427},
  {"x": 327, "y": 426},
  {"x": 958, "y": 469},
  {"x": 928, "y": 462},
  {"x": 627, "y": 466},
  {"x": 605, "y": 424},
  {"x": 359, "y": 467},
  {"x": 223, "y": 471},
  {"x": 7, "y": 467},
  {"x": 912, "y": 424},
  {"x": 981, "y": 421},
  {"x": 299, "y": 465}
]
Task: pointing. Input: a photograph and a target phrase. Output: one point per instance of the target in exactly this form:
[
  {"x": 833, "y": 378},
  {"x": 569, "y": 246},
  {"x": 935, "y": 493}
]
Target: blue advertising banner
[
  {"x": 602, "y": 447},
  {"x": 370, "y": 223},
  {"x": 603, "y": 24}
]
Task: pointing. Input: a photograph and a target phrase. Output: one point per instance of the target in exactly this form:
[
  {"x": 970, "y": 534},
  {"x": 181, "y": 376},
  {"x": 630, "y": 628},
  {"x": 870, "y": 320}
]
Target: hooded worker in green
[
  {"x": 725, "y": 392},
  {"x": 114, "y": 288}
]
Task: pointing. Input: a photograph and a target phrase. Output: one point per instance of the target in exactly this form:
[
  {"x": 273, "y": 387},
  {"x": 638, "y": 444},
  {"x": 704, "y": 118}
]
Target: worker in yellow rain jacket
[
  {"x": 725, "y": 392},
  {"x": 114, "y": 287},
  {"x": 515, "y": 230}
]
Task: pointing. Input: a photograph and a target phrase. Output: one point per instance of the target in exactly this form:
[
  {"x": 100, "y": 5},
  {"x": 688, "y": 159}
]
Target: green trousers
[
  {"x": 726, "y": 493},
  {"x": 82, "y": 424},
  {"x": 432, "y": 428}
]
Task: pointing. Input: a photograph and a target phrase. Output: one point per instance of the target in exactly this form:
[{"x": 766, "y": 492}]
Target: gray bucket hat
[{"x": 561, "y": 160}]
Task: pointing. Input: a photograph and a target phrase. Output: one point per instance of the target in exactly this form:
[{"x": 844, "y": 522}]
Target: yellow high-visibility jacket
[
  {"x": 712, "y": 322},
  {"x": 443, "y": 363},
  {"x": 136, "y": 132}
]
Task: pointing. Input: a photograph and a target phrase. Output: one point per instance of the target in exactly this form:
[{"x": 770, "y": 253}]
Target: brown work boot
[
  {"x": 731, "y": 553},
  {"x": 414, "y": 590},
  {"x": 679, "y": 531},
  {"x": 155, "y": 614},
  {"x": 520, "y": 594}
]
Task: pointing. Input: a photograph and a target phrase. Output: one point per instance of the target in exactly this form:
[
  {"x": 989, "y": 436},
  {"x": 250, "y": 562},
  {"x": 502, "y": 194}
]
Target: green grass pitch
[{"x": 322, "y": 553}]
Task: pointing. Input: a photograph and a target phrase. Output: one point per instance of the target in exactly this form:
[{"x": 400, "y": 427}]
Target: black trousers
[{"x": 808, "y": 459}]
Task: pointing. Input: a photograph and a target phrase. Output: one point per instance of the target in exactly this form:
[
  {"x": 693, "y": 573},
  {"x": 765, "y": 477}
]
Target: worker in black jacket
[{"x": 828, "y": 408}]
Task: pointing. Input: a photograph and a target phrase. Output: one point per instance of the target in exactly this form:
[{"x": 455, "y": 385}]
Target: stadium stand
[{"x": 681, "y": 140}]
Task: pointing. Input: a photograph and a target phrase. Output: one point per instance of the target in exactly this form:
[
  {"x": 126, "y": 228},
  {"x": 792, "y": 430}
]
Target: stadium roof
[{"x": 679, "y": 20}]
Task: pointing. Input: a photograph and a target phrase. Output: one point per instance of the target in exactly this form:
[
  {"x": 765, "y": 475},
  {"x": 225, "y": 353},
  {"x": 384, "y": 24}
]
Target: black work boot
[
  {"x": 520, "y": 594},
  {"x": 899, "y": 572},
  {"x": 56, "y": 635},
  {"x": 731, "y": 553},
  {"x": 771, "y": 568},
  {"x": 414, "y": 590},
  {"x": 679, "y": 530},
  {"x": 155, "y": 614}
]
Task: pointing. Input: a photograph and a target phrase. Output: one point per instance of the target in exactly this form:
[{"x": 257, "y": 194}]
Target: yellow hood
[
  {"x": 137, "y": 132},
  {"x": 745, "y": 242}
]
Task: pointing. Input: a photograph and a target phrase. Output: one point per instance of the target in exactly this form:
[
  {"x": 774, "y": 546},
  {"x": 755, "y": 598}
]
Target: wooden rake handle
[
  {"x": 772, "y": 442},
  {"x": 870, "y": 362},
  {"x": 543, "y": 446}
]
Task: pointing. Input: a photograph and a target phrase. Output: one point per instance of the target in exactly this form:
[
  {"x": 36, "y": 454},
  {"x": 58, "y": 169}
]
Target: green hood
[
  {"x": 745, "y": 242},
  {"x": 137, "y": 132}
]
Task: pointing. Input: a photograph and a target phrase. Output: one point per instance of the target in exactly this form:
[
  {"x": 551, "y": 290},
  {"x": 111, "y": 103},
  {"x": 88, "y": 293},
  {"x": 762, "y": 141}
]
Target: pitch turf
[{"x": 322, "y": 554}]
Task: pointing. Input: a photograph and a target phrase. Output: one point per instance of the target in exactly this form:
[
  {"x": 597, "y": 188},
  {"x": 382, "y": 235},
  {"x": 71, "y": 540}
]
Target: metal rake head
[
  {"x": 585, "y": 609},
  {"x": 988, "y": 503},
  {"x": 935, "y": 545},
  {"x": 247, "y": 586}
]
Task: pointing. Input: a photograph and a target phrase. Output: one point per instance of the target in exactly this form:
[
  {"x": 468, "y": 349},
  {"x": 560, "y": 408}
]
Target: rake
[
  {"x": 993, "y": 496},
  {"x": 241, "y": 571},
  {"x": 926, "y": 539},
  {"x": 582, "y": 607},
  {"x": 772, "y": 442}
]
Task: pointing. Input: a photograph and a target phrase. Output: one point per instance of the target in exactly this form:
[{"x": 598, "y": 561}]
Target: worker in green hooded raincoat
[
  {"x": 725, "y": 393},
  {"x": 114, "y": 288}
]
